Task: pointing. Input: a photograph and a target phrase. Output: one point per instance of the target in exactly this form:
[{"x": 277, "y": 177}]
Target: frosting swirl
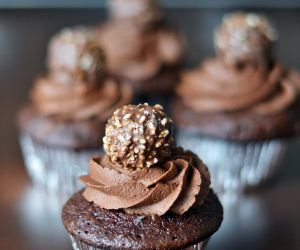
[
  {"x": 218, "y": 87},
  {"x": 138, "y": 52},
  {"x": 79, "y": 100},
  {"x": 175, "y": 186}
]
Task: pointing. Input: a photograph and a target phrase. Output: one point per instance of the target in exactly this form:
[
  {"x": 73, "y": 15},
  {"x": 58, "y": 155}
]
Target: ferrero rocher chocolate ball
[
  {"x": 138, "y": 136},
  {"x": 144, "y": 10},
  {"x": 244, "y": 39},
  {"x": 74, "y": 51}
]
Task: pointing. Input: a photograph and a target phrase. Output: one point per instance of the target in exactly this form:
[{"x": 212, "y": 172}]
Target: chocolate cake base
[
  {"x": 77, "y": 135},
  {"x": 240, "y": 126},
  {"x": 114, "y": 229}
]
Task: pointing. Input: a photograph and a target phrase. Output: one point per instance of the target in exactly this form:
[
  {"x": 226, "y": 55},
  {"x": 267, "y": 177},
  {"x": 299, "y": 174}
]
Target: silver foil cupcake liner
[
  {"x": 235, "y": 166},
  {"x": 79, "y": 245},
  {"x": 53, "y": 170}
]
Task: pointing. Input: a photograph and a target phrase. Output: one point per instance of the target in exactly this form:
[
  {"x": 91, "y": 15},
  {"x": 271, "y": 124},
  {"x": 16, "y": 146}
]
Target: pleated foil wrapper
[
  {"x": 55, "y": 170},
  {"x": 79, "y": 245},
  {"x": 235, "y": 166}
]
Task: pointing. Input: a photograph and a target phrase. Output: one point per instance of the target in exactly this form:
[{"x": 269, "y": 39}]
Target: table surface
[{"x": 266, "y": 219}]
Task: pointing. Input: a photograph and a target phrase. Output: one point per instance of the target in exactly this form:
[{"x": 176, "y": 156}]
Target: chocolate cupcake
[
  {"x": 144, "y": 193},
  {"x": 238, "y": 110},
  {"x": 61, "y": 124},
  {"x": 140, "y": 47}
]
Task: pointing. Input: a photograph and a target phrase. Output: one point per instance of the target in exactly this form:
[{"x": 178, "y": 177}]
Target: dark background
[{"x": 267, "y": 219}]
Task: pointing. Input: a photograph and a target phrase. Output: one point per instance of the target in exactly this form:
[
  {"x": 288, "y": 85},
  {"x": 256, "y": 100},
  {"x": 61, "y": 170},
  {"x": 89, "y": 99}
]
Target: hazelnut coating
[
  {"x": 245, "y": 39},
  {"x": 91, "y": 62},
  {"x": 138, "y": 136},
  {"x": 75, "y": 51}
]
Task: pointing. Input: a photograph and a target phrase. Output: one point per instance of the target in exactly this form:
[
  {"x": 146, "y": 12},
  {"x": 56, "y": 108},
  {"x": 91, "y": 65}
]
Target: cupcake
[
  {"x": 238, "y": 110},
  {"x": 141, "y": 48},
  {"x": 143, "y": 193},
  {"x": 61, "y": 124}
]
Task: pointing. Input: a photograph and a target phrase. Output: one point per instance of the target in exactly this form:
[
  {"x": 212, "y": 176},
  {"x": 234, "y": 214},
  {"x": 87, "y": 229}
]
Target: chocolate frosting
[
  {"x": 137, "y": 51},
  {"x": 79, "y": 100},
  {"x": 217, "y": 87},
  {"x": 175, "y": 186}
]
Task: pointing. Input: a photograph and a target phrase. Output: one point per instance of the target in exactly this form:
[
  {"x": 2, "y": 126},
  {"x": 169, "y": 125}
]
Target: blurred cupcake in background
[
  {"x": 238, "y": 109},
  {"x": 61, "y": 124},
  {"x": 141, "y": 48}
]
